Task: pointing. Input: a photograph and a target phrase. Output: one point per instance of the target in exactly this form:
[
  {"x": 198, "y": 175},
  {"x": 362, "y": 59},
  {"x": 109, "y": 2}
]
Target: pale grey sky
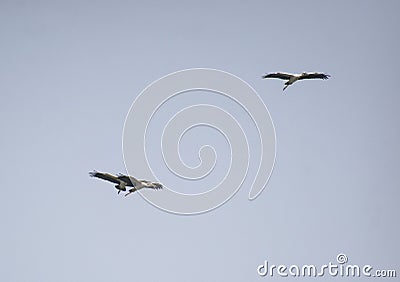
[{"x": 69, "y": 71}]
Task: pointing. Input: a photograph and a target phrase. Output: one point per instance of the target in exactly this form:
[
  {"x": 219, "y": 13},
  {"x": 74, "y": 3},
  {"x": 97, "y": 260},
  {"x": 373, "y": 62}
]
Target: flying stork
[
  {"x": 124, "y": 181},
  {"x": 292, "y": 78}
]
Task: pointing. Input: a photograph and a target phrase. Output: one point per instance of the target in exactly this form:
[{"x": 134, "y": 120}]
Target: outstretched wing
[
  {"x": 280, "y": 75},
  {"x": 152, "y": 185},
  {"x": 314, "y": 75},
  {"x": 104, "y": 176},
  {"x": 157, "y": 186}
]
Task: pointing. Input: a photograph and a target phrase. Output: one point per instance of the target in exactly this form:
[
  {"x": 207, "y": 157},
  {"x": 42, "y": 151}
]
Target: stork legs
[{"x": 131, "y": 191}]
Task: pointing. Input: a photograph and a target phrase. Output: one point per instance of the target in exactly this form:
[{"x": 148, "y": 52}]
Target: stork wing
[
  {"x": 314, "y": 75},
  {"x": 157, "y": 186},
  {"x": 280, "y": 75},
  {"x": 104, "y": 176}
]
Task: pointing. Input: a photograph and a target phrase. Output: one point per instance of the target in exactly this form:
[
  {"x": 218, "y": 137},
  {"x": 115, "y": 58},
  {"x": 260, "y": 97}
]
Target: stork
[
  {"x": 292, "y": 78},
  {"x": 124, "y": 181}
]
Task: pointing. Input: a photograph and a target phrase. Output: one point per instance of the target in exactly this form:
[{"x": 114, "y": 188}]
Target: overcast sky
[{"x": 69, "y": 72}]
